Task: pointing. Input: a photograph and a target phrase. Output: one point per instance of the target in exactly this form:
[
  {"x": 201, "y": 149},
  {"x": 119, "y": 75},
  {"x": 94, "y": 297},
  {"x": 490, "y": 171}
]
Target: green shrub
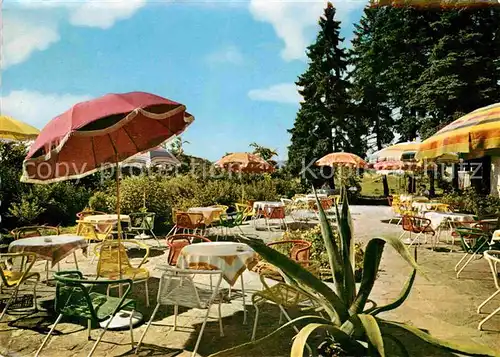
[
  {"x": 318, "y": 251},
  {"x": 27, "y": 210},
  {"x": 470, "y": 201},
  {"x": 100, "y": 201}
]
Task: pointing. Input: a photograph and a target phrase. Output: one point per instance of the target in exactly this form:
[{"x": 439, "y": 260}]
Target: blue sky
[{"x": 232, "y": 63}]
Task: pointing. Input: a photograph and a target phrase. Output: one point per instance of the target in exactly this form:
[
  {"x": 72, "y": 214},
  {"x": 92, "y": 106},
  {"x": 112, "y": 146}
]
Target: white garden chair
[
  {"x": 493, "y": 258},
  {"x": 178, "y": 288}
]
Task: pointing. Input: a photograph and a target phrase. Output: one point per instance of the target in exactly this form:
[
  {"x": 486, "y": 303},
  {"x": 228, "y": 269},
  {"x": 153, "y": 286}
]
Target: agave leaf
[
  {"x": 303, "y": 319},
  {"x": 468, "y": 350},
  {"x": 401, "y": 346},
  {"x": 402, "y": 296},
  {"x": 334, "y": 256},
  {"x": 373, "y": 333},
  {"x": 347, "y": 238},
  {"x": 349, "y": 344},
  {"x": 332, "y": 304},
  {"x": 373, "y": 254}
]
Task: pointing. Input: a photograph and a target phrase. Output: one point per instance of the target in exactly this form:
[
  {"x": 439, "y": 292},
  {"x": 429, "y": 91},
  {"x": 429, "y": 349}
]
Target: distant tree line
[{"x": 410, "y": 71}]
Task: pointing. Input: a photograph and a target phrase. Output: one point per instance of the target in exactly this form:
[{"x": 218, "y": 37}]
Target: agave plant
[{"x": 352, "y": 324}]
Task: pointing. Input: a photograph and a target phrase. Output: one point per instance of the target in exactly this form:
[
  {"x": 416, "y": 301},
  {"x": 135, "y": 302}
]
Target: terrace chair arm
[
  {"x": 144, "y": 246},
  {"x": 31, "y": 261}
]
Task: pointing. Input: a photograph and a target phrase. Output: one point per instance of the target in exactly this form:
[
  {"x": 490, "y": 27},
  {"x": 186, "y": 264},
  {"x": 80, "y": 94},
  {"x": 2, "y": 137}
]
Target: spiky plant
[{"x": 352, "y": 328}]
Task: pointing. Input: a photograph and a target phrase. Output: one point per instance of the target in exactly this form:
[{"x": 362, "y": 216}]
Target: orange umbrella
[
  {"x": 341, "y": 159},
  {"x": 244, "y": 162}
]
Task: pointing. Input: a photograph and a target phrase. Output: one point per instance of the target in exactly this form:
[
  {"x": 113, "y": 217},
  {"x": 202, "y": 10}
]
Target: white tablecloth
[
  {"x": 311, "y": 198},
  {"x": 210, "y": 214},
  {"x": 52, "y": 248},
  {"x": 260, "y": 205},
  {"x": 424, "y": 206},
  {"x": 231, "y": 258},
  {"x": 437, "y": 218}
]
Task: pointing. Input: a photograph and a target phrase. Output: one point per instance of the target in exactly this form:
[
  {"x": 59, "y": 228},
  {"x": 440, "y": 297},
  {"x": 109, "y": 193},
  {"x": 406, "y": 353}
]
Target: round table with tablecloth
[
  {"x": 231, "y": 258},
  {"x": 210, "y": 214}
]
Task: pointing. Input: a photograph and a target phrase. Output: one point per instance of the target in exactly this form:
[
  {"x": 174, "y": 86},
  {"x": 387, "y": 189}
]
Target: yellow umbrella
[
  {"x": 11, "y": 129},
  {"x": 475, "y": 134}
]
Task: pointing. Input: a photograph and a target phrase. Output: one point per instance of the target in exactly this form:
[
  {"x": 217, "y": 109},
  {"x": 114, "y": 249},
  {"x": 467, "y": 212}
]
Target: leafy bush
[
  {"x": 27, "y": 210},
  {"x": 470, "y": 201},
  {"x": 101, "y": 201},
  {"x": 319, "y": 252}
]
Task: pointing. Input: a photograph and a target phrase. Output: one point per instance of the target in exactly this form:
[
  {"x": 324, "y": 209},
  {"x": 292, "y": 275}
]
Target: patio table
[
  {"x": 261, "y": 205},
  {"x": 422, "y": 207},
  {"x": 210, "y": 214},
  {"x": 231, "y": 258},
  {"x": 446, "y": 220},
  {"x": 102, "y": 221},
  {"x": 51, "y": 248}
]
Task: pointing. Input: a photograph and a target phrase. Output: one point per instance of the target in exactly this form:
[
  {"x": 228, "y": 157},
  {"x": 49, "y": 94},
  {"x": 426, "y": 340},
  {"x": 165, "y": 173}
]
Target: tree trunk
[
  {"x": 432, "y": 189},
  {"x": 455, "y": 177},
  {"x": 386, "y": 185}
]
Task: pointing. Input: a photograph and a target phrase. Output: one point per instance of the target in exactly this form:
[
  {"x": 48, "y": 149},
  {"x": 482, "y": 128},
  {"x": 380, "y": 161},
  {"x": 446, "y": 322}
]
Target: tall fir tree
[
  {"x": 323, "y": 122},
  {"x": 462, "y": 74}
]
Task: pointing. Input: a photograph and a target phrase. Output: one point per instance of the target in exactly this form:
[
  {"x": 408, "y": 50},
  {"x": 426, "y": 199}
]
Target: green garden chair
[
  {"x": 74, "y": 298},
  {"x": 140, "y": 223},
  {"x": 230, "y": 221},
  {"x": 474, "y": 241}
]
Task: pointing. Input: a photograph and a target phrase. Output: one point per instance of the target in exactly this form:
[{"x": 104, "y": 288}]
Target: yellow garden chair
[
  {"x": 15, "y": 269},
  {"x": 107, "y": 267},
  {"x": 246, "y": 209}
]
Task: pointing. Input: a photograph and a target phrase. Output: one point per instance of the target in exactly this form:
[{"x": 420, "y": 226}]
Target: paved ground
[{"x": 443, "y": 305}]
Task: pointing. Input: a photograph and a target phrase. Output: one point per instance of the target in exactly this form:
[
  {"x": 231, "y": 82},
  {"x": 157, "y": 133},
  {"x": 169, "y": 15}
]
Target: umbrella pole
[{"x": 119, "y": 224}]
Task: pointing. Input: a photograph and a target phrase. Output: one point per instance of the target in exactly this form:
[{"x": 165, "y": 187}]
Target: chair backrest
[
  {"x": 274, "y": 212},
  {"x": 415, "y": 224},
  {"x": 178, "y": 288},
  {"x": 73, "y": 296},
  {"x": 188, "y": 220},
  {"x": 140, "y": 220},
  {"x": 34, "y": 231},
  {"x": 493, "y": 258},
  {"x": 89, "y": 231},
  {"x": 108, "y": 252},
  {"x": 298, "y": 250},
  {"x": 178, "y": 241}
]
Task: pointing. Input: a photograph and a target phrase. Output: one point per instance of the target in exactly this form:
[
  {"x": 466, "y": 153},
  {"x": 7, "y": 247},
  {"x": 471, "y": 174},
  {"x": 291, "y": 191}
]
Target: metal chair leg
[
  {"x": 255, "y": 322},
  {"x": 201, "y": 332},
  {"x": 100, "y": 337},
  {"x": 147, "y": 327},
  {"x": 147, "y": 292},
  {"x": 480, "y": 326},
  {"x": 48, "y": 335},
  {"x": 131, "y": 325},
  {"x": 12, "y": 297},
  {"x": 176, "y": 311},
  {"x": 487, "y": 301},
  {"x": 244, "y": 303}
]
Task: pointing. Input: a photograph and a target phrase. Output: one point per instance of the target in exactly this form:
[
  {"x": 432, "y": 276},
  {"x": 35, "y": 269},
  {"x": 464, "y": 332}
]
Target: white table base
[{"x": 122, "y": 320}]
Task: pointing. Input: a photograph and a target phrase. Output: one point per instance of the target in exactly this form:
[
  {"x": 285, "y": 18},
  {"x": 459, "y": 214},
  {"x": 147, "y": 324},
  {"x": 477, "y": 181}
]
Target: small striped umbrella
[
  {"x": 397, "y": 152},
  {"x": 475, "y": 135}
]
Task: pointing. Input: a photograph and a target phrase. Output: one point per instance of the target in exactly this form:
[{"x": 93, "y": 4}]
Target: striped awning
[
  {"x": 474, "y": 135},
  {"x": 395, "y": 152}
]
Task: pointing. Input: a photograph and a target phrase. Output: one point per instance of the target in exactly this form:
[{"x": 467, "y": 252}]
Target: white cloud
[
  {"x": 281, "y": 93},
  {"x": 32, "y": 25},
  {"x": 37, "y": 108},
  {"x": 21, "y": 38},
  {"x": 229, "y": 54},
  {"x": 103, "y": 14},
  {"x": 292, "y": 20}
]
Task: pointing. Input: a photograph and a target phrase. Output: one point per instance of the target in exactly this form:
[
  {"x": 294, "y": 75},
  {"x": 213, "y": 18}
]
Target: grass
[{"x": 371, "y": 185}]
